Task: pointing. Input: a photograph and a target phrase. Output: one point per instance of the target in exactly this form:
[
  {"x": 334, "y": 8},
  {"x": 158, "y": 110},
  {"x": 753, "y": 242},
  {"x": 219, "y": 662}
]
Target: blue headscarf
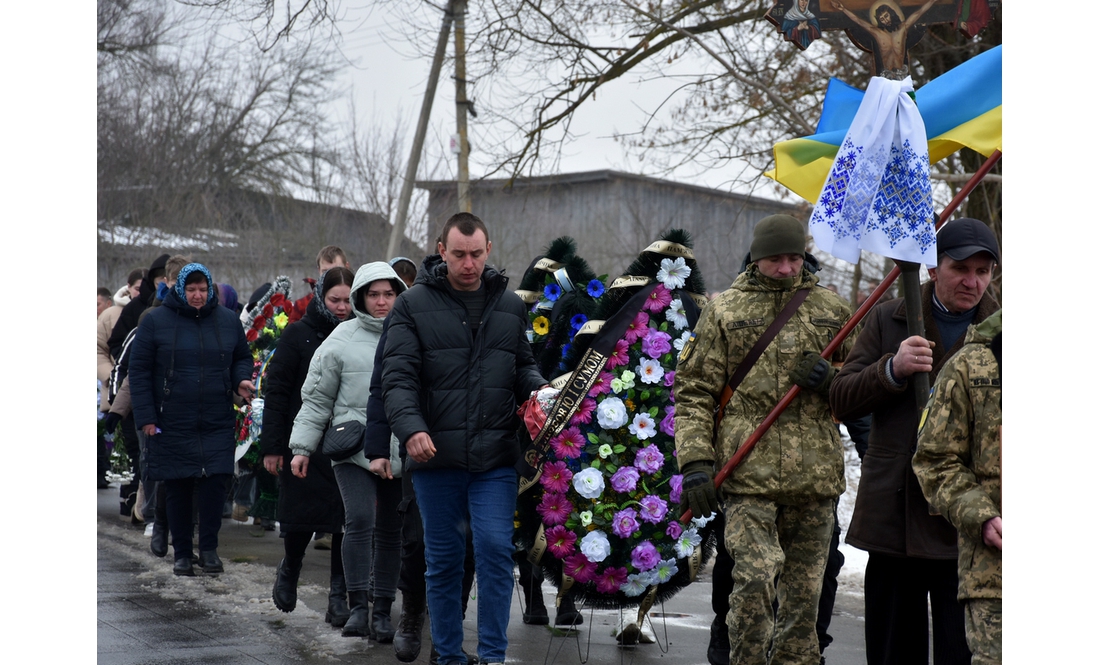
[{"x": 181, "y": 282}]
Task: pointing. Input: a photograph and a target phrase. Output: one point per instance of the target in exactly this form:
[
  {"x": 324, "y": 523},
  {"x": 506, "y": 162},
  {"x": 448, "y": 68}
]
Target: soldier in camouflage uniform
[
  {"x": 958, "y": 464},
  {"x": 779, "y": 503}
]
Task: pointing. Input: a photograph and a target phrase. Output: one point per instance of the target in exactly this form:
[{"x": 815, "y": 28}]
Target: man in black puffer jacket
[{"x": 456, "y": 365}]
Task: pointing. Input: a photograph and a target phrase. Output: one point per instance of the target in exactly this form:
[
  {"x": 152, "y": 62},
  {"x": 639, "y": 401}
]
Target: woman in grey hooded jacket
[{"x": 336, "y": 391}]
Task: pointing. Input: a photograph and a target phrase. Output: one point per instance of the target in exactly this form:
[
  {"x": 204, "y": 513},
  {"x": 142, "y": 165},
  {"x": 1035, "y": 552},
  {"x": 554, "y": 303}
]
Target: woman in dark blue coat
[{"x": 187, "y": 360}]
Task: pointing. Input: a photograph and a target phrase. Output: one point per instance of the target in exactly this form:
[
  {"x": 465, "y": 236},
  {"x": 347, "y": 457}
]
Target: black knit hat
[
  {"x": 156, "y": 269},
  {"x": 778, "y": 234},
  {"x": 964, "y": 237}
]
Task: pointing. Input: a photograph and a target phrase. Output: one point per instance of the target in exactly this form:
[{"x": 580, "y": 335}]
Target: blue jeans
[{"x": 446, "y": 497}]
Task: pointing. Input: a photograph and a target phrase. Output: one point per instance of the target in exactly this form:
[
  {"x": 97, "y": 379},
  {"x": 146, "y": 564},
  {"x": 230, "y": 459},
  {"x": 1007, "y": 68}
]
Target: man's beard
[{"x": 893, "y": 26}]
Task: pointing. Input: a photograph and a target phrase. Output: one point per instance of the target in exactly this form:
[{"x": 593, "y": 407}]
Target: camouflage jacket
[
  {"x": 958, "y": 458},
  {"x": 800, "y": 458}
]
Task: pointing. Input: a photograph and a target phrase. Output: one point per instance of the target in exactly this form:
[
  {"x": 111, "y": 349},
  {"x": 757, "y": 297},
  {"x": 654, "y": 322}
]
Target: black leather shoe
[
  {"x": 406, "y": 641},
  {"x": 158, "y": 544},
  {"x": 718, "y": 651},
  {"x": 183, "y": 567},
  {"x": 210, "y": 562}
]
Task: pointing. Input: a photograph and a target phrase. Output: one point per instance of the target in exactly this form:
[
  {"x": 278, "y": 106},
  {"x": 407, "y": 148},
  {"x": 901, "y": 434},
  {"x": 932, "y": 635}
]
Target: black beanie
[
  {"x": 778, "y": 234},
  {"x": 157, "y": 267}
]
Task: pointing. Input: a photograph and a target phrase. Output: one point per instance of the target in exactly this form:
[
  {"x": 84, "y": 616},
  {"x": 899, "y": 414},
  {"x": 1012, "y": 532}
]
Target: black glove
[
  {"x": 698, "y": 489},
  {"x": 813, "y": 372},
  {"x": 110, "y": 423}
]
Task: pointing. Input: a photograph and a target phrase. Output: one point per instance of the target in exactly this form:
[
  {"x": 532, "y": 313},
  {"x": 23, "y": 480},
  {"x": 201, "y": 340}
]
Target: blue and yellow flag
[{"x": 961, "y": 108}]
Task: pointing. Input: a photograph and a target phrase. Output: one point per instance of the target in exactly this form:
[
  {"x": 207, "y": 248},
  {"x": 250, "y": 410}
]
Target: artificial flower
[
  {"x": 586, "y": 517},
  {"x": 658, "y": 299},
  {"x": 552, "y": 292},
  {"x": 555, "y": 476},
  {"x": 654, "y": 509},
  {"x": 625, "y": 479},
  {"x": 670, "y": 377},
  {"x": 674, "y": 530},
  {"x": 560, "y": 541},
  {"x": 676, "y": 314},
  {"x": 620, "y": 356},
  {"x": 569, "y": 444},
  {"x": 611, "y": 579},
  {"x": 637, "y": 328},
  {"x": 579, "y": 567},
  {"x": 624, "y": 382},
  {"x": 656, "y": 343},
  {"x": 649, "y": 459},
  {"x": 596, "y": 546},
  {"x": 668, "y": 424},
  {"x": 611, "y": 413},
  {"x": 278, "y": 299},
  {"x": 281, "y": 319},
  {"x": 583, "y": 414},
  {"x": 676, "y": 487},
  {"x": 259, "y": 323},
  {"x": 700, "y": 522},
  {"x": 673, "y": 273},
  {"x": 554, "y": 508},
  {"x": 541, "y": 325},
  {"x": 650, "y": 371},
  {"x": 682, "y": 340},
  {"x": 595, "y": 288},
  {"x": 605, "y": 451},
  {"x": 687, "y": 542},
  {"x": 589, "y": 483},
  {"x": 625, "y": 523},
  {"x": 643, "y": 427},
  {"x": 634, "y": 585},
  {"x": 576, "y": 323},
  {"x": 602, "y": 384},
  {"x": 665, "y": 570},
  {"x": 268, "y": 310},
  {"x": 251, "y": 335}
]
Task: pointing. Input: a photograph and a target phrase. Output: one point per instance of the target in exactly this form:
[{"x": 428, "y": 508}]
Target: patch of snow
[{"x": 204, "y": 240}]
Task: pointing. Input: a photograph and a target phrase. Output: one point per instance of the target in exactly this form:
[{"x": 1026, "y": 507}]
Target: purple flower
[
  {"x": 620, "y": 356},
  {"x": 556, "y": 476},
  {"x": 656, "y": 343},
  {"x": 568, "y": 444},
  {"x": 654, "y": 509},
  {"x": 560, "y": 541},
  {"x": 676, "y": 483},
  {"x": 554, "y": 508},
  {"x": 668, "y": 424},
  {"x": 624, "y": 523},
  {"x": 583, "y": 414},
  {"x": 670, "y": 376},
  {"x": 602, "y": 384},
  {"x": 674, "y": 530},
  {"x": 610, "y": 580},
  {"x": 658, "y": 299},
  {"x": 649, "y": 459},
  {"x": 645, "y": 556},
  {"x": 625, "y": 479}
]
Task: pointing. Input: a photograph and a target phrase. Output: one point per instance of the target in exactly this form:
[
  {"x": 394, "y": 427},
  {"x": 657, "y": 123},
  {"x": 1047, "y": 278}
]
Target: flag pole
[{"x": 846, "y": 330}]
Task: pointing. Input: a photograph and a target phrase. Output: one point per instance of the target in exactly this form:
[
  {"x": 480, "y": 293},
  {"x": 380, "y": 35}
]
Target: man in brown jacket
[{"x": 912, "y": 552}]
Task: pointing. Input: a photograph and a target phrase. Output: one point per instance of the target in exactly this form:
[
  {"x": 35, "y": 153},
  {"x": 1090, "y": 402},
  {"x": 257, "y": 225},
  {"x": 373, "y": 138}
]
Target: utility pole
[
  {"x": 462, "y": 105},
  {"x": 398, "y": 229}
]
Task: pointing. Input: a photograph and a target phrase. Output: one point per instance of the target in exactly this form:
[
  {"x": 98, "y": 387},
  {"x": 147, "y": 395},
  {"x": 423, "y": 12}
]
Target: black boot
[
  {"x": 210, "y": 562},
  {"x": 406, "y": 642},
  {"x": 567, "y": 615},
  {"x": 718, "y": 651},
  {"x": 534, "y": 611},
  {"x": 183, "y": 567},
  {"x": 381, "y": 628},
  {"x": 285, "y": 591},
  {"x": 158, "y": 544},
  {"x": 358, "y": 624},
  {"x": 338, "y": 612}
]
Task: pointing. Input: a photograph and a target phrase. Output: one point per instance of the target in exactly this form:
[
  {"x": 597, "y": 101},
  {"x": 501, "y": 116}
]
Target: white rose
[
  {"x": 588, "y": 483},
  {"x": 595, "y": 546},
  {"x": 611, "y": 413}
]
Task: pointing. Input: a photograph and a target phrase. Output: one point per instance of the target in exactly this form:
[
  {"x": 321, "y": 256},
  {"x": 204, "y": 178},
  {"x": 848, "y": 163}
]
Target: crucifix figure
[{"x": 887, "y": 29}]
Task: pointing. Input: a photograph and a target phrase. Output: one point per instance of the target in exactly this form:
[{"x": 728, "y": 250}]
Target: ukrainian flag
[{"x": 961, "y": 108}]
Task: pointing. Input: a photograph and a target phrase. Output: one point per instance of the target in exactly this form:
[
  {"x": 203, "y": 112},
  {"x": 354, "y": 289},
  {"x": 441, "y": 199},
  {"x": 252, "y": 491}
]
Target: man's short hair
[
  {"x": 174, "y": 265},
  {"x": 466, "y": 223},
  {"x": 329, "y": 254},
  {"x": 104, "y": 292}
]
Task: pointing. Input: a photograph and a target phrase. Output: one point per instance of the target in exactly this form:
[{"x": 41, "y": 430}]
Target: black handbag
[{"x": 343, "y": 440}]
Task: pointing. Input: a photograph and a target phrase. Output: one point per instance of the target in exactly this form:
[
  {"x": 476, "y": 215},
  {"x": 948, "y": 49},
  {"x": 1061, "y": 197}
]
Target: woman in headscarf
[
  {"x": 336, "y": 391},
  {"x": 310, "y": 504},
  {"x": 187, "y": 360}
]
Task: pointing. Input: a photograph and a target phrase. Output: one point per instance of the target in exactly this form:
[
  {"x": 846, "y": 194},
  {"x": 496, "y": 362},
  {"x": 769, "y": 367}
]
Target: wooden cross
[{"x": 886, "y": 28}]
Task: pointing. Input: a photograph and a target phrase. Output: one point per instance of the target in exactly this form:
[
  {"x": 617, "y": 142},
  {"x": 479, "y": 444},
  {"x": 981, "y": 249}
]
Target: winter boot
[
  {"x": 338, "y": 611},
  {"x": 718, "y": 651},
  {"x": 285, "y": 591},
  {"x": 567, "y": 615},
  {"x": 406, "y": 642},
  {"x": 211, "y": 563},
  {"x": 534, "y": 610},
  {"x": 381, "y": 629},
  {"x": 358, "y": 624}
]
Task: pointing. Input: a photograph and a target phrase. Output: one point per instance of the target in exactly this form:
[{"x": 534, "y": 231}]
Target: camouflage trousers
[
  {"x": 983, "y": 630},
  {"x": 778, "y": 551}
]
